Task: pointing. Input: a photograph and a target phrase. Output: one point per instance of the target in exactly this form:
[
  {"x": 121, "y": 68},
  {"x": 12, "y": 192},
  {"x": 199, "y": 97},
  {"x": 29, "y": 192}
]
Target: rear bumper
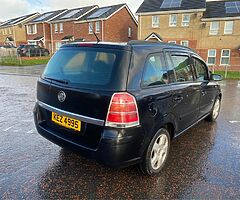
[{"x": 116, "y": 148}]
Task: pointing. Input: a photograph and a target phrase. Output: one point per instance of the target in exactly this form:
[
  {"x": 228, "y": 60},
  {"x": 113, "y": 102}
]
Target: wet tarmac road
[{"x": 204, "y": 163}]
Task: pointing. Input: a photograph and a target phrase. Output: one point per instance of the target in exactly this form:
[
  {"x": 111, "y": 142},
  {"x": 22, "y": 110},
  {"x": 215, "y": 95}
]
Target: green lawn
[
  {"x": 230, "y": 74},
  {"x": 24, "y": 62}
]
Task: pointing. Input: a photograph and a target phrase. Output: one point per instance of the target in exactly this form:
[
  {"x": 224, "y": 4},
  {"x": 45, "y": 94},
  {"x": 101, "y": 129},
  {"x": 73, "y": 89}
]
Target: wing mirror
[{"x": 216, "y": 77}]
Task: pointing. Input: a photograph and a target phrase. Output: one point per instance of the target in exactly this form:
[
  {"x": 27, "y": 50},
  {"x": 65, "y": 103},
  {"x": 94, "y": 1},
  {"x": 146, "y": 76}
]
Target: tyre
[
  {"x": 157, "y": 153},
  {"x": 215, "y": 111}
]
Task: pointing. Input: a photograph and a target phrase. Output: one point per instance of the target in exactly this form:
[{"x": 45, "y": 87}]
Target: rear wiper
[{"x": 57, "y": 80}]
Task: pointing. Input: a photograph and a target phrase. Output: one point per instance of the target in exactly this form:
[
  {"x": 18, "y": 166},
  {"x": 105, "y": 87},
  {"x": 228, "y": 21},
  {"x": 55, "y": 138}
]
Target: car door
[
  {"x": 155, "y": 93},
  {"x": 185, "y": 93},
  {"x": 207, "y": 88}
]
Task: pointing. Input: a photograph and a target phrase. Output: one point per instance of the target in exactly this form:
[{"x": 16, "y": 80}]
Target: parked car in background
[
  {"x": 122, "y": 104},
  {"x": 32, "y": 50},
  {"x": 7, "y": 46}
]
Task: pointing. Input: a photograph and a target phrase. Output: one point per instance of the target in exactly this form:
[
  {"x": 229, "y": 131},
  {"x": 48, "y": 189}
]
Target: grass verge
[
  {"x": 24, "y": 61},
  {"x": 235, "y": 75}
]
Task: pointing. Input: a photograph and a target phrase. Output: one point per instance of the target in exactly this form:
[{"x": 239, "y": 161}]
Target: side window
[
  {"x": 201, "y": 70},
  {"x": 181, "y": 68},
  {"x": 154, "y": 71}
]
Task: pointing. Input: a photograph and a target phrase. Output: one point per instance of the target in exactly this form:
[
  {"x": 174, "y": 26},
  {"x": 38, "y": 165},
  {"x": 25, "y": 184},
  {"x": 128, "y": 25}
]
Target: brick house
[
  {"x": 63, "y": 26},
  {"x": 38, "y": 30},
  {"x": 13, "y": 31},
  {"x": 211, "y": 28},
  {"x": 112, "y": 23}
]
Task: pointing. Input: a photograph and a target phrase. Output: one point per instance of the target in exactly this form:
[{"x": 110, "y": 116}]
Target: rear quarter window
[{"x": 154, "y": 73}]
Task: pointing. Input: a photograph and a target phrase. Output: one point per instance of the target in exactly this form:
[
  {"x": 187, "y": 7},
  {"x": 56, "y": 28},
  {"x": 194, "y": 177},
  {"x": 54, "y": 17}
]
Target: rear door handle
[{"x": 178, "y": 99}]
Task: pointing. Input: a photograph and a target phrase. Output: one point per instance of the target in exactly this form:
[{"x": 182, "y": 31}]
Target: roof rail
[{"x": 132, "y": 42}]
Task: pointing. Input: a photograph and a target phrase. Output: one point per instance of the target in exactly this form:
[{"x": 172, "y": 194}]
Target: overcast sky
[{"x": 15, "y": 8}]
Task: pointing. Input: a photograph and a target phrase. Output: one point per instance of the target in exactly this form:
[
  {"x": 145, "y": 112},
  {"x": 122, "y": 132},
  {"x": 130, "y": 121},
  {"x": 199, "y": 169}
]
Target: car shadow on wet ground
[{"x": 186, "y": 174}]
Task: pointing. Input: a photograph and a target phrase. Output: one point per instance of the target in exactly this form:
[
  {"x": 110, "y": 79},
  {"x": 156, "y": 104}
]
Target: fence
[{"x": 10, "y": 56}]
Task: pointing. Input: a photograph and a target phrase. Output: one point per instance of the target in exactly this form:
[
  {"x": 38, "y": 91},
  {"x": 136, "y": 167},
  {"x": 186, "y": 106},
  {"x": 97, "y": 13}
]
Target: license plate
[{"x": 66, "y": 122}]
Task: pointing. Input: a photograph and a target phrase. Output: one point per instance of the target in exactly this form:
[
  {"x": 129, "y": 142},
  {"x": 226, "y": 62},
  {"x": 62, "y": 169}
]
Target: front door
[{"x": 208, "y": 90}]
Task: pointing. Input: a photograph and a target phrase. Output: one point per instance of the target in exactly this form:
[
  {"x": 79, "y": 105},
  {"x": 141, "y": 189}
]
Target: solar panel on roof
[
  {"x": 232, "y": 7},
  {"x": 42, "y": 17},
  {"x": 99, "y": 12},
  {"x": 70, "y": 14},
  {"x": 171, "y": 3},
  {"x": 17, "y": 20}
]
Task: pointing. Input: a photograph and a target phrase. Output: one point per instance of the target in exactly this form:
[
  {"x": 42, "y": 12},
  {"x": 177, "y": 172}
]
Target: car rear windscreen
[{"x": 90, "y": 68}]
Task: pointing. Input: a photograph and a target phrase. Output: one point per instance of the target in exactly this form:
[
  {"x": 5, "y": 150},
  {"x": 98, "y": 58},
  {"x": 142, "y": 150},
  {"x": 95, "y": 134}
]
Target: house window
[
  {"x": 172, "y": 42},
  {"x": 56, "y": 28},
  {"x": 97, "y": 27},
  {"x": 185, "y": 20},
  {"x": 212, "y": 53},
  {"x": 173, "y": 20},
  {"x": 9, "y": 31},
  {"x": 31, "y": 29},
  {"x": 155, "y": 21},
  {"x": 90, "y": 28},
  {"x": 228, "y": 29},
  {"x": 225, "y": 57},
  {"x": 185, "y": 43},
  {"x": 129, "y": 32},
  {"x": 214, "y": 28},
  {"x": 61, "y": 28}
]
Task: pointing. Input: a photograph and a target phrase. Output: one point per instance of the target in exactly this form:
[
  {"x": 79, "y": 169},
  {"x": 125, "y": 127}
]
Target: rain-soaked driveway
[{"x": 204, "y": 163}]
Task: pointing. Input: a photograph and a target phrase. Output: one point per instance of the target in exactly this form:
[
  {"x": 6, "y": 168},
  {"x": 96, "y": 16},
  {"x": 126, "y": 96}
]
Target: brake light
[{"x": 123, "y": 111}]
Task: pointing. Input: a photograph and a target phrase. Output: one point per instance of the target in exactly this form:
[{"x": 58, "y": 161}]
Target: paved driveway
[{"x": 204, "y": 163}]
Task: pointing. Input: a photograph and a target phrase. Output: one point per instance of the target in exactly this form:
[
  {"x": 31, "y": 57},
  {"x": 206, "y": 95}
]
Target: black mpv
[{"x": 122, "y": 104}]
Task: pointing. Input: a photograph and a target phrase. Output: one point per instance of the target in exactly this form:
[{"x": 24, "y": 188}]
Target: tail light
[{"x": 122, "y": 111}]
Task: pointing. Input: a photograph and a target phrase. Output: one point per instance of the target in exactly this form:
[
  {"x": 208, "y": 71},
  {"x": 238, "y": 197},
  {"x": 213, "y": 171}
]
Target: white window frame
[
  {"x": 55, "y": 28},
  {"x": 228, "y": 31},
  {"x": 155, "y": 21},
  {"x": 34, "y": 30},
  {"x": 214, "y": 31},
  {"x": 60, "y": 27},
  {"x": 97, "y": 27},
  {"x": 210, "y": 56},
  {"x": 31, "y": 29},
  {"x": 221, "y": 64},
  {"x": 184, "y": 22},
  {"x": 172, "y": 42},
  {"x": 171, "y": 22},
  {"x": 185, "y": 41},
  {"x": 90, "y": 28},
  {"x": 129, "y": 31}
]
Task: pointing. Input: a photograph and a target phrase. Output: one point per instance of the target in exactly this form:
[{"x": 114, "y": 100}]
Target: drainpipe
[
  {"x": 140, "y": 28},
  {"x": 14, "y": 36},
  {"x": 102, "y": 31},
  {"x": 51, "y": 38},
  {"x": 44, "y": 35}
]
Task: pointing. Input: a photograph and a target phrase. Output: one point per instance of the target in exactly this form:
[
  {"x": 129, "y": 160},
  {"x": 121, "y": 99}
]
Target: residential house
[
  {"x": 220, "y": 38},
  {"x": 114, "y": 23},
  {"x": 211, "y": 28},
  {"x": 38, "y": 30},
  {"x": 12, "y": 32},
  {"x": 63, "y": 26}
]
